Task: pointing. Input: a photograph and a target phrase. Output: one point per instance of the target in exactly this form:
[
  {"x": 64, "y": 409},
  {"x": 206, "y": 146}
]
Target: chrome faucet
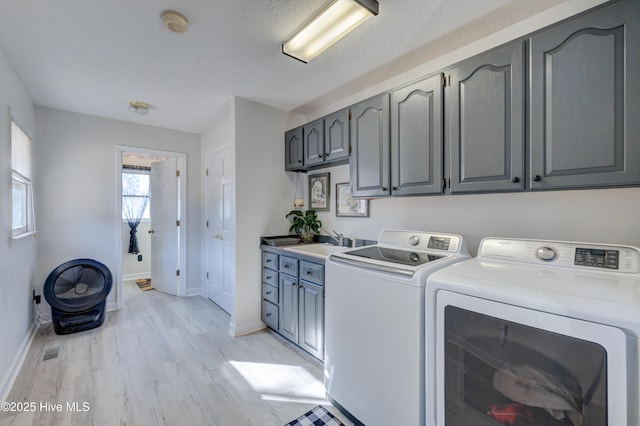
[{"x": 339, "y": 238}]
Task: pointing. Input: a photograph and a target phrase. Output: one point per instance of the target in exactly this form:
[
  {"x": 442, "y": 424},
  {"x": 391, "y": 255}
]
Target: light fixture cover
[
  {"x": 138, "y": 107},
  {"x": 174, "y": 21},
  {"x": 335, "y": 21}
]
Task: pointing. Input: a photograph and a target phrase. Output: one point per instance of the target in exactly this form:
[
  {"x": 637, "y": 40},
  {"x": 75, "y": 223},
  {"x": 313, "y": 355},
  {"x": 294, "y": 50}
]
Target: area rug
[
  {"x": 144, "y": 284},
  {"x": 318, "y": 416}
]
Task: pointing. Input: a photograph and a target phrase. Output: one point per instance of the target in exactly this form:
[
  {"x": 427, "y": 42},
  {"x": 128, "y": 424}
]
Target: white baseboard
[
  {"x": 16, "y": 365},
  {"x": 140, "y": 275},
  {"x": 244, "y": 329},
  {"x": 194, "y": 292}
]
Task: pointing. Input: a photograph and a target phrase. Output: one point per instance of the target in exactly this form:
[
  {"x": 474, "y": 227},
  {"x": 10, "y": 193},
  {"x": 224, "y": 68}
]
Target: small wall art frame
[
  {"x": 319, "y": 192},
  {"x": 346, "y": 205}
]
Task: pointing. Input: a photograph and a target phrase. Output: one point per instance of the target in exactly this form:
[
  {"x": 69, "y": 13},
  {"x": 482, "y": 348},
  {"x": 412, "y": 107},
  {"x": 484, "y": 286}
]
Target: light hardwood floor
[{"x": 165, "y": 360}]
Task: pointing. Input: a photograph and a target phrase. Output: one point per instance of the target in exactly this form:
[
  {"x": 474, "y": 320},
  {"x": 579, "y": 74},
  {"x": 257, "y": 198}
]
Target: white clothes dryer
[{"x": 535, "y": 332}]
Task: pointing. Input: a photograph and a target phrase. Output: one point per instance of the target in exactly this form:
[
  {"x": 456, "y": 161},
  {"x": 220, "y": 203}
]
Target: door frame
[{"x": 181, "y": 158}]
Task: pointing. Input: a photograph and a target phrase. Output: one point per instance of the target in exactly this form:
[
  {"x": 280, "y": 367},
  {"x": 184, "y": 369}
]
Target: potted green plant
[{"x": 306, "y": 224}]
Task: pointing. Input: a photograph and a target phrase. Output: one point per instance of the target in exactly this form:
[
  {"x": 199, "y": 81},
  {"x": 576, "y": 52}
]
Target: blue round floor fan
[{"x": 77, "y": 292}]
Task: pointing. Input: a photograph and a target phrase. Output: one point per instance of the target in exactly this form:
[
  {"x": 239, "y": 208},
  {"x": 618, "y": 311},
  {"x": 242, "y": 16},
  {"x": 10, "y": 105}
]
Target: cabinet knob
[
  {"x": 268, "y": 292},
  {"x": 537, "y": 178},
  {"x": 268, "y": 315},
  {"x": 286, "y": 266},
  {"x": 319, "y": 155},
  {"x": 384, "y": 189},
  {"x": 515, "y": 179},
  {"x": 309, "y": 272},
  {"x": 394, "y": 188}
]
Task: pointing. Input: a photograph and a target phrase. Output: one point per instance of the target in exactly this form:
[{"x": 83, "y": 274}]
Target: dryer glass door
[{"x": 501, "y": 368}]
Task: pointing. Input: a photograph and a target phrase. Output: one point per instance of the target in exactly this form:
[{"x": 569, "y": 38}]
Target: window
[
  {"x": 22, "y": 211},
  {"x": 135, "y": 192}
]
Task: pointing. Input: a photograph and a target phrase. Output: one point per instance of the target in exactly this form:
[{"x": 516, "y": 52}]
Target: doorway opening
[{"x": 151, "y": 208}]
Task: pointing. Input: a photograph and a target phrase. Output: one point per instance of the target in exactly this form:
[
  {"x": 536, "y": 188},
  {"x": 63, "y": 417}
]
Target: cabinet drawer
[
  {"x": 312, "y": 272},
  {"x": 269, "y": 276},
  {"x": 289, "y": 265},
  {"x": 270, "y": 260},
  {"x": 270, "y": 314},
  {"x": 270, "y": 293}
]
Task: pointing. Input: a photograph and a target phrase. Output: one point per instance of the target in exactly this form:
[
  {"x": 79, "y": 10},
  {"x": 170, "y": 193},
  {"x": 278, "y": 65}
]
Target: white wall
[
  {"x": 599, "y": 215},
  {"x": 17, "y": 263},
  {"x": 263, "y": 195},
  {"x": 78, "y": 188}
]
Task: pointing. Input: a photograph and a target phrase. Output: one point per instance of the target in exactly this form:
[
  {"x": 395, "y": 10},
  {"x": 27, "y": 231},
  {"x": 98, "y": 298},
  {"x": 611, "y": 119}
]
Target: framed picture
[
  {"x": 346, "y": 206},
  {"x": 319, "y": 192}
]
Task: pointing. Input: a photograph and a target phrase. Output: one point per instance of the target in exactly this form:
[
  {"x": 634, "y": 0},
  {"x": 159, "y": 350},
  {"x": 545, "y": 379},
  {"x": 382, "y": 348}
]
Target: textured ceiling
[{"x": 93, "y": 57}]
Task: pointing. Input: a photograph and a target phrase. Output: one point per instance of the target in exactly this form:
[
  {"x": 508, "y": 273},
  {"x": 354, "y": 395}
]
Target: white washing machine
[
  {"x": 374, "y": 324},
  {"x": 535, "y": 332}
]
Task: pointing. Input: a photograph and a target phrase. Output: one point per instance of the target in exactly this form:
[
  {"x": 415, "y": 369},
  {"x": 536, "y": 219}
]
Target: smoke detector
[{"x": 174, "y": 21}]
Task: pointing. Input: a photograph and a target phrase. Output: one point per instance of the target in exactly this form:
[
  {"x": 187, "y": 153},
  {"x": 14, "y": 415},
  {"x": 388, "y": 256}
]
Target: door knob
[
  {"x": 218, "y": 236},
  {"x": 151, "y": 231}
]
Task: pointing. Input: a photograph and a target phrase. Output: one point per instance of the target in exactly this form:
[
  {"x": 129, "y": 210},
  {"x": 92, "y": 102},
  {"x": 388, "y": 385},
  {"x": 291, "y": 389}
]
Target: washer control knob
[
  {"x": 546, "y": 253},
  {"x": 414, "y": 240}
]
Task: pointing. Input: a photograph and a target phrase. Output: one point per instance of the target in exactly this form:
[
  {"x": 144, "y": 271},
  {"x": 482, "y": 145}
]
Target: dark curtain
[{"x": 135, "y": 196}]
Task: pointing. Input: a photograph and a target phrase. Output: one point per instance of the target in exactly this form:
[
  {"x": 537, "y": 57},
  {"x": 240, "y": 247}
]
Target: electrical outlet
[{"x": 36, "y": 297}]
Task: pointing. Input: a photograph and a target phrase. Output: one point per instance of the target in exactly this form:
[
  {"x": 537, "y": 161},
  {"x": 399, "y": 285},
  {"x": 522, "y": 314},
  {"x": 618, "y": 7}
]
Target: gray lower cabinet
[
  {"x": 311, "y": 318},
  {"x": 486, "y": 110},
  {"x": 295, "y": 307},
  {"x": 270, "y": 290},
  {"x": 585, "y": 98}
]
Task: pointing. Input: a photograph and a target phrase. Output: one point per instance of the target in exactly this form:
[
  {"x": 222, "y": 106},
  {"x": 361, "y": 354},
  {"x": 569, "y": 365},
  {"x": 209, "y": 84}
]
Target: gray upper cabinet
[
  {"x": 313, "y": 147},
  {"x": 585, "y": 130},
  {"x": 369, "y": 163},
  {"x": 336, "y": 136},
  {"x": 416, "y": 138},
  {"x": 486, "y": 110},
  {"x": 293, "y": 149}
]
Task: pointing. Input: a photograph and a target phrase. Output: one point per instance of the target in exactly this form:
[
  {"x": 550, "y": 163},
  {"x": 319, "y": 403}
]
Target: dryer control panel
[{"x": 567, "y": 254}]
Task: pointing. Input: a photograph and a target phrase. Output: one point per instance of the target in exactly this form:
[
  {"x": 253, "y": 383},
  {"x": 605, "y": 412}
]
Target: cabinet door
[
  {"x": 486, "y": 118},
  {"x": 336, "y": 136},
  {"x": 314, "y": 143},
  {"x": 369, "y": 163},
  {"x": 293, "y": 149},
  {"x": 311, "y": 326},
  {"x": 288, "y": 315},
  {"x": 585, "y": 123},
  {"x": 416, "y": 138}
]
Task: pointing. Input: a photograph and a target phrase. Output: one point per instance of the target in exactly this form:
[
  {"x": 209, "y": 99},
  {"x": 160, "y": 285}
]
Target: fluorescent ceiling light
[{"x": 329, "y": 26}]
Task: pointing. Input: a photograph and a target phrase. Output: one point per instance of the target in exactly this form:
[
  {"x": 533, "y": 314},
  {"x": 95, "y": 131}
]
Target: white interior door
[
  {"x": 220, "y": 210},
  {"x": 165, "y": 229}
]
